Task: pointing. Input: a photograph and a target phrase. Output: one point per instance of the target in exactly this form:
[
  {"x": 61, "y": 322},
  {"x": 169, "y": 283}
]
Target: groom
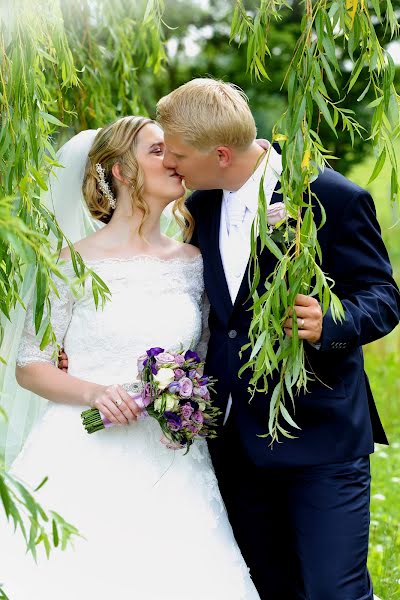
[{"x": 299, "y": 510}]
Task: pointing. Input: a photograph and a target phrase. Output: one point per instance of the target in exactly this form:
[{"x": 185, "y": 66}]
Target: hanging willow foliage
[
  {"x": 49, "y": 61},
  {"x": 328, "y": 27},
  {"x": 77, "y": 67},
  {"x": 36, "y": 525}
]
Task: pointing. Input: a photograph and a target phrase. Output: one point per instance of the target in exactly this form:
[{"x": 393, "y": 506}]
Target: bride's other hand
[
  {"x": 63, "y": 361},
  {"x": 116, "y": 404}
]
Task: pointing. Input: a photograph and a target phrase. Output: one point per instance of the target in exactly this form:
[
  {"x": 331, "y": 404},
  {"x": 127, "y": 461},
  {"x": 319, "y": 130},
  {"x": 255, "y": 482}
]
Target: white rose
[
  {"x": 157, "y": 404},
  {"x": 171, "y": 402},
  {"x": 164, "y": 377}
]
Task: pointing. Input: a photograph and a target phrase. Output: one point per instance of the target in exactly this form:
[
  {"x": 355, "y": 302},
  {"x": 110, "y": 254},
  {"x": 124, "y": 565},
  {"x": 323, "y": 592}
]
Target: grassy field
[{"x": 382, "y": 360}]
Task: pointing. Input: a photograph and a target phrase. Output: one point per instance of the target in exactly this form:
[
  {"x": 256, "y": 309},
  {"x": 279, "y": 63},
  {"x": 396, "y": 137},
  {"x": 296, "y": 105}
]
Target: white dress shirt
[{"x": 238, "y": 211}]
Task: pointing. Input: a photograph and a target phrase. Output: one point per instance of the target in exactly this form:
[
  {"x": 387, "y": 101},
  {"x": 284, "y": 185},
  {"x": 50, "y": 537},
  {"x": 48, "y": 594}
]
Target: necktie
[
  {"x": 237, "y": 242},
  {"x": 235, "y": 211}
]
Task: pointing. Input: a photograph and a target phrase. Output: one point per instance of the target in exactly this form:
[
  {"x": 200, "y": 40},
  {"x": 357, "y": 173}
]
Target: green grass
[{"x": 382, "y": 361}]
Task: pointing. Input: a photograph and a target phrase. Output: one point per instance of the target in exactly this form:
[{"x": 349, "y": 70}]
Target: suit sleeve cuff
[{"x": 337, "y": 335}]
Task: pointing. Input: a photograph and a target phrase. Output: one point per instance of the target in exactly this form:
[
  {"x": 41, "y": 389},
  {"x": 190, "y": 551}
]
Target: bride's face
[{"x": 159, "y": 182}]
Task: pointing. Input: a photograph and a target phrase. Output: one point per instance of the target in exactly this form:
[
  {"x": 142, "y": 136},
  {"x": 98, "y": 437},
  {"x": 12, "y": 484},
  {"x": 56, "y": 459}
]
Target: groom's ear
[
  {"x": 224, "y": 154},
  {"x": 116, "y": 171}
]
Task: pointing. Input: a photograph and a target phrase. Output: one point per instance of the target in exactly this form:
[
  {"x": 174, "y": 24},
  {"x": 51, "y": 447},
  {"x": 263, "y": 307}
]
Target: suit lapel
[{"x": 216, "y": 284}]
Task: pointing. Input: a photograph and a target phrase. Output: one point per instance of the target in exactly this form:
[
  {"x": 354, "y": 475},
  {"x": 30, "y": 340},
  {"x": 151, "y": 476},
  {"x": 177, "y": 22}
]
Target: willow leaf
[
  {"x": 258, "y": 344},
  {"x": 287, "y": 417},
  {"x": 325, "y": 111},
  {"x": 378, "y": 165}
]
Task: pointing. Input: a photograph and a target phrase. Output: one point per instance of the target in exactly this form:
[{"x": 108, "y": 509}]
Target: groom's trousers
[{"x": 303, "y": 531}]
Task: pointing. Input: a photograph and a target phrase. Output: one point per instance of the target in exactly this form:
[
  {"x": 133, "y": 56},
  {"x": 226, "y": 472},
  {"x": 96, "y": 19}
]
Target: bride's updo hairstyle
[{"x": 114, "y": 144}]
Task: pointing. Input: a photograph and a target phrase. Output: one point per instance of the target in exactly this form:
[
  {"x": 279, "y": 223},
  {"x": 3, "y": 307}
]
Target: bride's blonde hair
[{"x": 114, "y": 144}]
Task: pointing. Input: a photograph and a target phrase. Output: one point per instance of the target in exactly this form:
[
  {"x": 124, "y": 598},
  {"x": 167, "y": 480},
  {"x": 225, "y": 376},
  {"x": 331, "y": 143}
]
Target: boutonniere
[{"x": 278, "y": 221}]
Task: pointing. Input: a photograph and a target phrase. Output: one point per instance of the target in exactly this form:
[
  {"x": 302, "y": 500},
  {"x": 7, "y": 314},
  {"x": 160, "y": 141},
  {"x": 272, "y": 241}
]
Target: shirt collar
[{"x": 271, "y": 165}]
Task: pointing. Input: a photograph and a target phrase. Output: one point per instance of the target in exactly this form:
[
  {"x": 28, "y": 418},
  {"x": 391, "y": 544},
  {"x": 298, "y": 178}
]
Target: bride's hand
[{"x": 116, "y": 404}]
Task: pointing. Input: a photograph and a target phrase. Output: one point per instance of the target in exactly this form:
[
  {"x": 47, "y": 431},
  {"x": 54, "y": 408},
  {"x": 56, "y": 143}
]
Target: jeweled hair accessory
[{"x": 105, "y": 188}]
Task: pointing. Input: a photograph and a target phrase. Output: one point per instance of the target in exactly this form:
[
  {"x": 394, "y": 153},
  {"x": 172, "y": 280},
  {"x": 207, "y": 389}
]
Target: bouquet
[{"x": 172, "y": 390}]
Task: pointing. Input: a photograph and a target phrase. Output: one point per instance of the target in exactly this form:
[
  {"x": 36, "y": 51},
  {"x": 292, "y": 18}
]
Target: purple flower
[
  {"x": 179, "y": 373},
  {"x": 191, "y": 355},
  {"x": 154, "y": 351},
  {"x": 174, "y": 421},
  {"x": 192, "y": 428},
  {"x": 185, "y": 387},
  {"x": 154, "y": 369},
  {"x": 201, "y": 391},
  {"x": 187, "y": 410},
  {"x": 147, "y": 391},
  {"x": 165, "y": 358},
  {"x": 198, "y": 416},
  {"x": 179, "y": 359},
  {"x": 173, "y": 387},
  {"x": 146, "y": 394},
  {"x": 141, "y": 362}
]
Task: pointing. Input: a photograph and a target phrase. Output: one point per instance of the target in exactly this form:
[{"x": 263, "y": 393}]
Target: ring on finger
[
  {"x": 118, "y": 401},
  {"x": 301, "y": 323}
]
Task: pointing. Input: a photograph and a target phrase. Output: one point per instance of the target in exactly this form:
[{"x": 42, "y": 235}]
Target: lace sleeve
[
  {"x": 205, "y": 332},
  {"x": 61, "y": 311}
]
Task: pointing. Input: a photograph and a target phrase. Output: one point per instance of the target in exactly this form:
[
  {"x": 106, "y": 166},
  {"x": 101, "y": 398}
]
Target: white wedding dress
[{"x": 153, "y": 521}]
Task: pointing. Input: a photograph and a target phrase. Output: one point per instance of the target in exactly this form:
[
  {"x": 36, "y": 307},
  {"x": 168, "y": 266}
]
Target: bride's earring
[{"x": 105, "y": 188}]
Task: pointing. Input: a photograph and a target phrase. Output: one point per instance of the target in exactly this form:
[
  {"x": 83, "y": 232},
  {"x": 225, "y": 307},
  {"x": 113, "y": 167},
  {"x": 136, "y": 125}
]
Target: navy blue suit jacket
[{"x": 338, "y": 418}]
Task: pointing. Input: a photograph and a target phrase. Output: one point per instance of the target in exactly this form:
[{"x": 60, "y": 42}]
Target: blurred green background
[{"x": 382, "y": 362}]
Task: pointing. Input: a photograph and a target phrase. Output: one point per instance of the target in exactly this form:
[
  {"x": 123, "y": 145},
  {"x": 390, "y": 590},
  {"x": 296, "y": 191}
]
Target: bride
[{"x": 152, "y": 520}]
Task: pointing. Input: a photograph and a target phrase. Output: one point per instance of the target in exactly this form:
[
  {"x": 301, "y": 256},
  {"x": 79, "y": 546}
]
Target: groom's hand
[
  {"x": 63, "y": 361},
  {"x": 309, "y": 319}
]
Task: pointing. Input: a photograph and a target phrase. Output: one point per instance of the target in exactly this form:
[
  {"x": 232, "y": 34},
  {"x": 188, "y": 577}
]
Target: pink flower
[
  {"x": 201, "y": 391},
  {"x": 185, "y": 387},
  {"x": 276, "y": 213},
  {"x": 194, "y": 374},
  {"x": 187, "y": 411},
  {"x": 198, "y": 416},
  {"x": 146, "y": 394},
  {"x": 179, "y": 359},
  {"x": 192, "y": 428},
  {"x": 179, "y": 373},
  {"x": 165, "y": 358}
]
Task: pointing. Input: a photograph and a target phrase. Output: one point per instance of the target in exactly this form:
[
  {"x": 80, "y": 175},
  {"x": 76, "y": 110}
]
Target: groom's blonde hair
[{"x": 208, "y": 113}]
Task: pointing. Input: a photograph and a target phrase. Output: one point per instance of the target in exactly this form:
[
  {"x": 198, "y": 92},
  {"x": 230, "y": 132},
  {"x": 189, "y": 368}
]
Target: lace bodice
[{"x": 155, "y": 302}]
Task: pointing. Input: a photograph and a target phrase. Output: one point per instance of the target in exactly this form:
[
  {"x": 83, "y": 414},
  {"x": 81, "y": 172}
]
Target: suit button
[{"x": 232, "y": 333}]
